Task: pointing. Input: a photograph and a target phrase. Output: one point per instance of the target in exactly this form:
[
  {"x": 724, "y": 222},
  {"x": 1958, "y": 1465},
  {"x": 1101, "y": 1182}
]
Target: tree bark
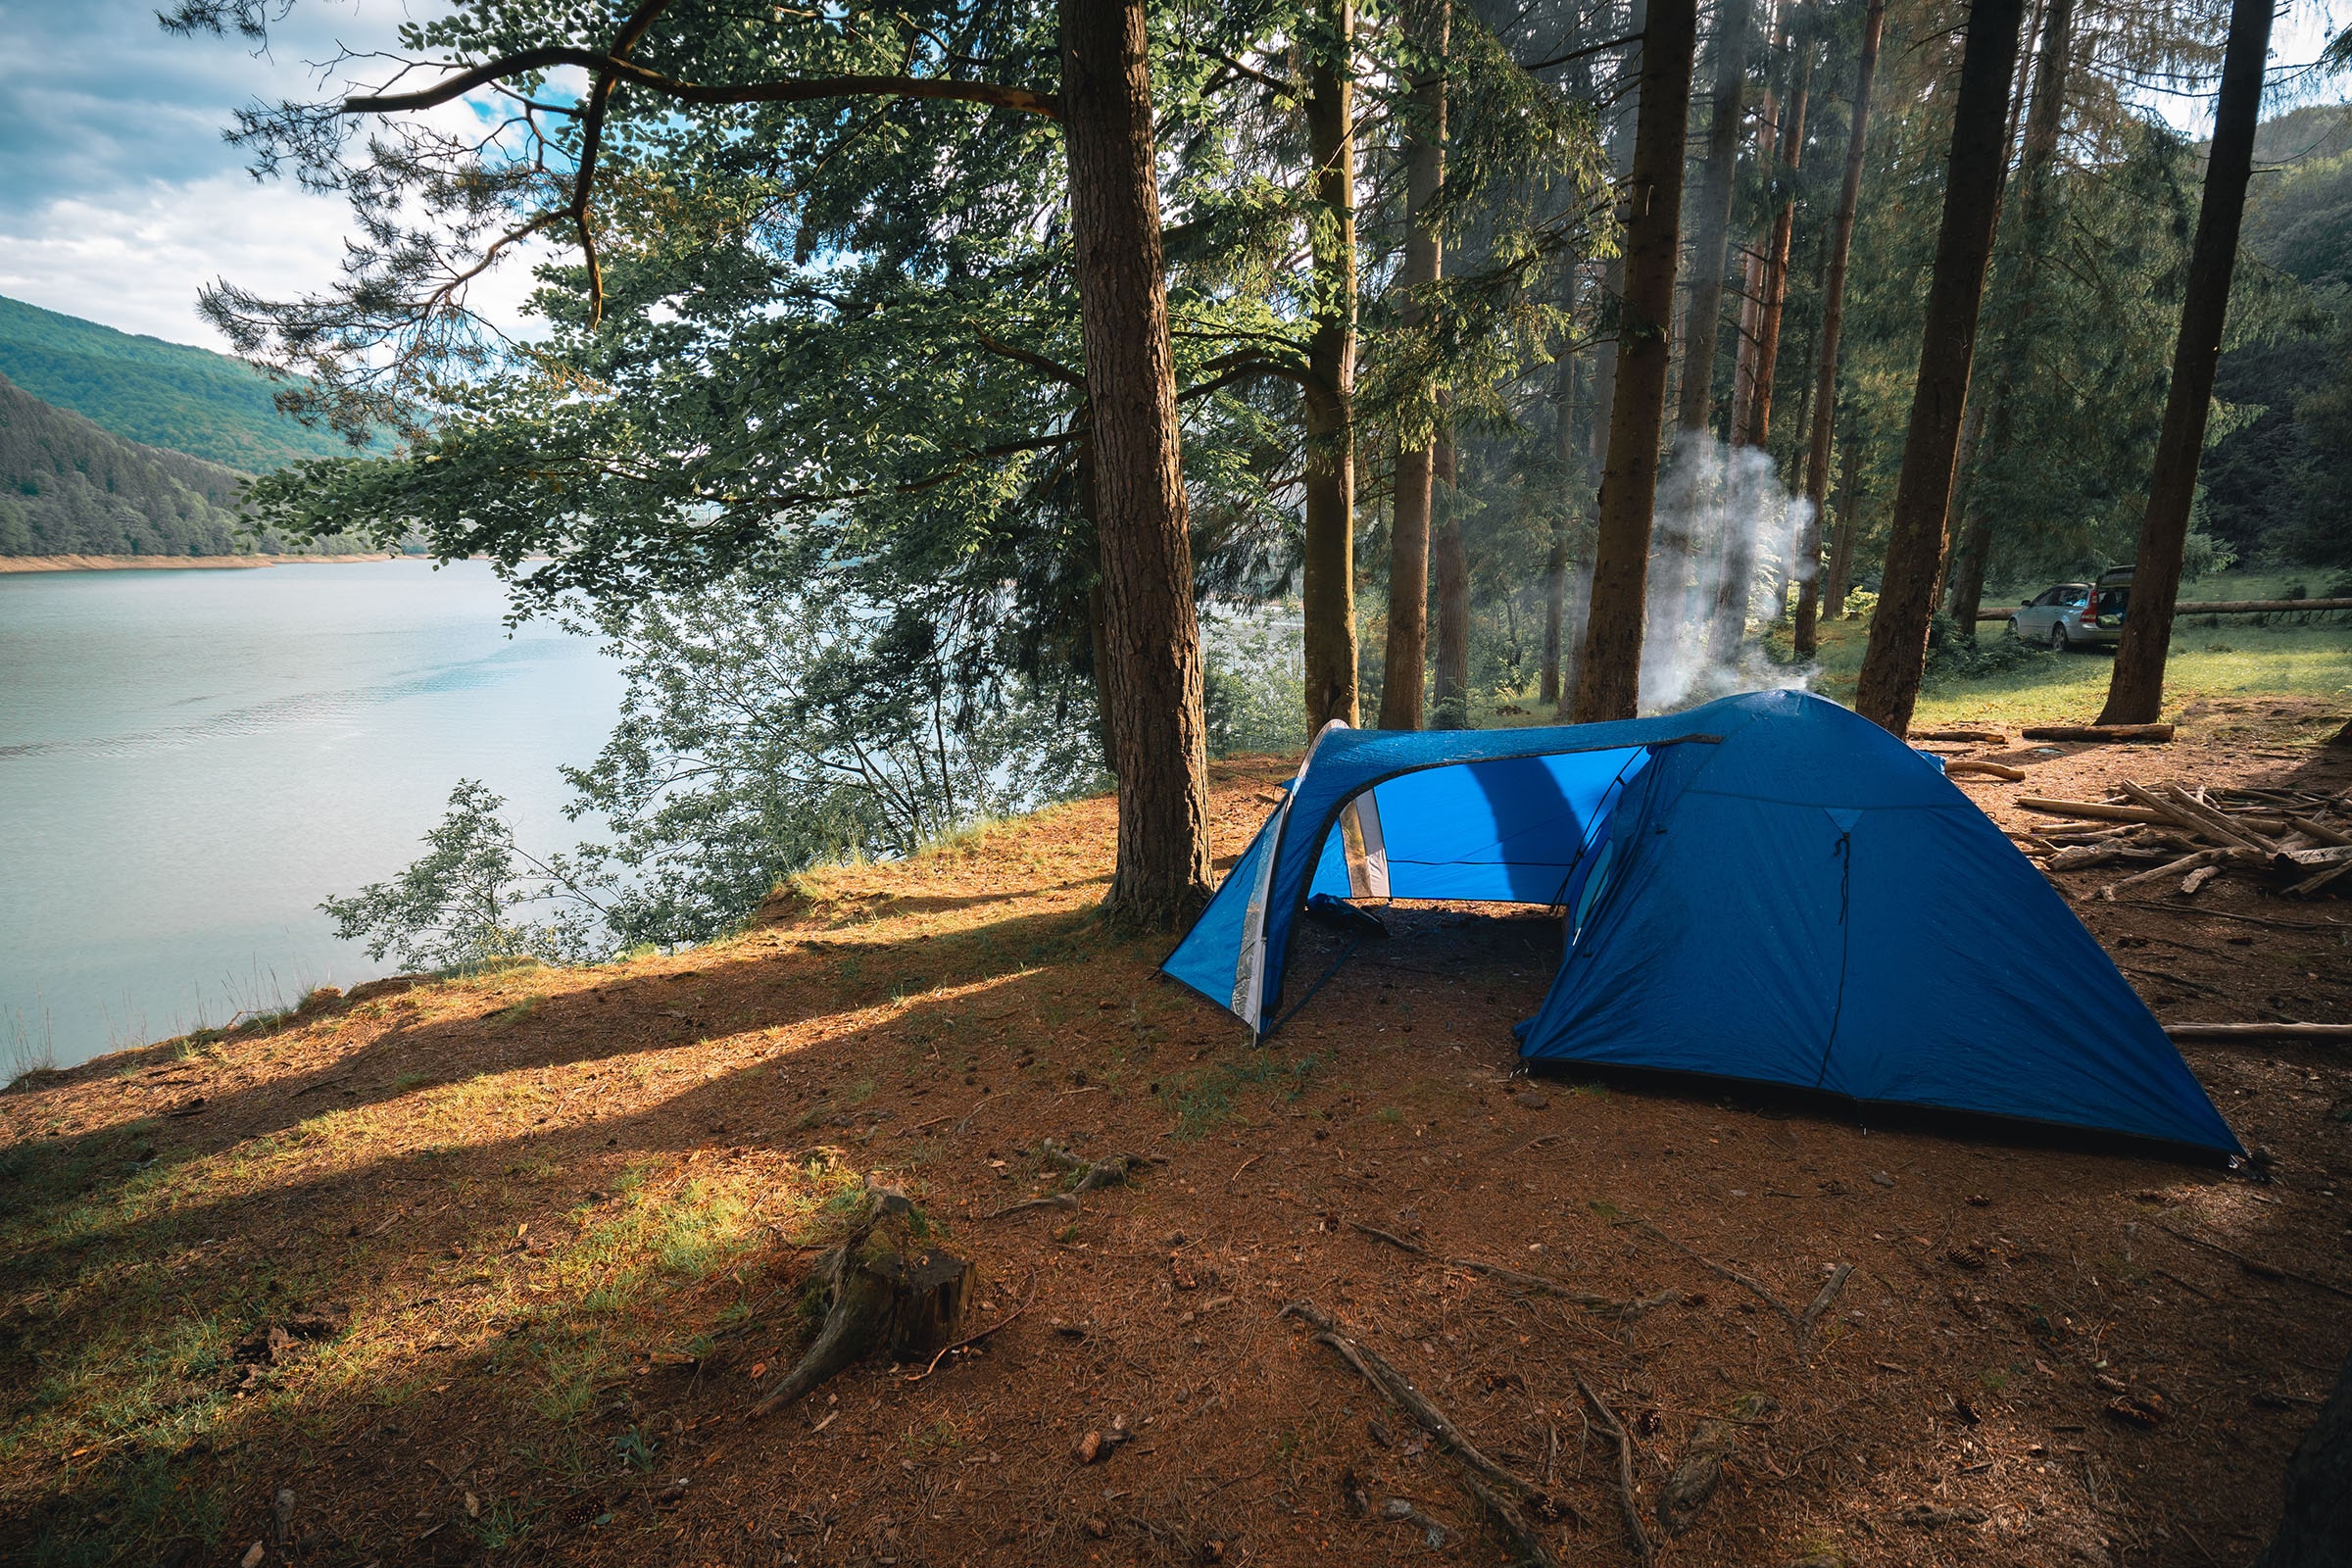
[
  {"x": 1889, "y": 687},
  {"x": 2135, "y": 691},
  {"x": 1329, "y": 574},
  {"x": 2042, "y": 123},
  {"x": 1450, "y": 698},
  {"x": 1555, "y": 560},
  {"x": 1711, "y": 217},
  {"x": 1971, "y": 424},
  {"x": 1841, "y": 559},
  {"x": 1406, "y": 651},
  {"x": 1152, "y": 640},
  {"x": 1612, "y": 273},
  {"x": 1610, "y": 683},
  {"x": 1807, "y": 635},
  {"x": 1729, "y": 627}
]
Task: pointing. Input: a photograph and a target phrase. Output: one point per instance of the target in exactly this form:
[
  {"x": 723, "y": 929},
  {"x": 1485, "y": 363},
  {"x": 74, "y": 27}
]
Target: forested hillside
[
  {"x": 68, "y": 487},
  {"x": 2275, "y": 486},
  {"x": 146, "y": 390}
]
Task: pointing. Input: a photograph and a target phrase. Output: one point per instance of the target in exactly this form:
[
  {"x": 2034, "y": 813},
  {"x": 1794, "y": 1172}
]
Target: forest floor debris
[{"x": 553, "y": 1265}]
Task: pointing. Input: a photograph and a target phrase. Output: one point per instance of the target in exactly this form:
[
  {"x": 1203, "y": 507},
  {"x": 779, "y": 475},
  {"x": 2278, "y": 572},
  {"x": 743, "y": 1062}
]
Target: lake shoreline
[{"x": 23, "y": 564}]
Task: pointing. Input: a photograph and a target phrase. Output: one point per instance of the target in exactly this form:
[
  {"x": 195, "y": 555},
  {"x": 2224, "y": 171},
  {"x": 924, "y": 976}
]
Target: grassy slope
[{"x": 160, "y": 394}]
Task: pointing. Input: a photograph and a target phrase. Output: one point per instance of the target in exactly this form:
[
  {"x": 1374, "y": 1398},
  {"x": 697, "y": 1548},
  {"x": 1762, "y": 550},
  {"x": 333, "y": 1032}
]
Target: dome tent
[{"x": 1767, "y": 888}]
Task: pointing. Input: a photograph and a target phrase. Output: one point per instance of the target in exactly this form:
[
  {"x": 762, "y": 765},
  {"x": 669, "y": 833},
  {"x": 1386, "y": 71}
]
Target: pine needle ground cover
[{"x": 496, "y": 1269}]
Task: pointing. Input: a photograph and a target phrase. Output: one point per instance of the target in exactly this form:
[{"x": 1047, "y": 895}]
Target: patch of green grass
[
  {"x": 1210, "y": 1097},
  {"x": 2262, "y": 655}
]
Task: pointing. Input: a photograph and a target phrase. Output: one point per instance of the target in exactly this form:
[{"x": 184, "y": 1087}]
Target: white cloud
[
  {"x": 135, "y": 258},
  {"x": 119, "y": 199}
]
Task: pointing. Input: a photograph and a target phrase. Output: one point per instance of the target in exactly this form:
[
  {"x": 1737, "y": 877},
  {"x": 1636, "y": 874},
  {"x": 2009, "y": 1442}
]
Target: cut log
[
  {"x": 2171, "y": 868},
  {"x": 2197, "y": 879},
  {"x": 881, "y": 1292},
  {"x": 2313, "y": 884},
  {"x": 2327, "y": 1034},
  {"x": 1987, "y": 769},
  {"x": 2214, "y": 825},
  {"x": 2074, "y": 857},
  {"x": 2099, "y": 732},
  {"x": 2101, "y": 810},
  {"x": 2319, "y": 830},
  {"x": 1990, "y": 737}
]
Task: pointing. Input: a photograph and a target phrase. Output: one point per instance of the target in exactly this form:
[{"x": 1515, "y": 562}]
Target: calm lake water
[{"x": 190, "y": 760}]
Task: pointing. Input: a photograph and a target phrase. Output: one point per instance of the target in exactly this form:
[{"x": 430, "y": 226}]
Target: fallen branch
[
  {"x": 1627, "y": 1499},
  {"x": 1752, "y": 1286},
  {"x": 1821, "y": 1304},
  {"x": 2255, "y": 1265},
  {"x": 1522, "y": 1535},
  {"x": 1989, "y": 736},
  {"x": 2225, "y": 1033},
  {"x": 1056, "y": 1201},
  {"x": 2245, "y": 920},
  {"x": 1529, "y": 1282},
  {"x": 2096, "y": 810},
  {"x": 1377, "y": 1370},
  {"x": 2171, "y": 868},
  {"x": 1988, "y": 769}
]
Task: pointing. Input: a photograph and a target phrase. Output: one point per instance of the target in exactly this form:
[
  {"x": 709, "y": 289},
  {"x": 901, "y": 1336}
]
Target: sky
[{"x": 118, "y": 198}]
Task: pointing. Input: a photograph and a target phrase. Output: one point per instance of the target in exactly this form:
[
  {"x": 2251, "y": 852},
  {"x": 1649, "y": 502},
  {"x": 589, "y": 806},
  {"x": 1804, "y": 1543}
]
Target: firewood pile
[{"x": 2297, "y": 841}]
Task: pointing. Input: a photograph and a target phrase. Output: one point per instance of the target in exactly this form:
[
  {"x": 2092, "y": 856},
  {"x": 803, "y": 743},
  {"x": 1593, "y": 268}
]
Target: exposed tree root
[
  {"x": 1626, "y": 1308},
  {"x": 1627, "y": 1497},
  {"x": 1056, "y": 1201},
  {"x": 1389, "y": 1381},
  {"x": 1800, "y": 1324}
]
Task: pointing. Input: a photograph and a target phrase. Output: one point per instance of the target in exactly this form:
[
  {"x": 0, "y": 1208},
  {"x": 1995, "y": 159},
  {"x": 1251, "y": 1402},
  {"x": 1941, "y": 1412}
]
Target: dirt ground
[{"x": 532, "y": 1243}]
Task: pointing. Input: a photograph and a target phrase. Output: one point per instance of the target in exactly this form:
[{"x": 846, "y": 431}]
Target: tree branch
[{"x": 1025, "y": 100}]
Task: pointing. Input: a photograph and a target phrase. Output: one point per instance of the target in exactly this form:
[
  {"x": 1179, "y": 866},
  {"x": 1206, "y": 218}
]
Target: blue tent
[{"x": 1767, "y": 888}]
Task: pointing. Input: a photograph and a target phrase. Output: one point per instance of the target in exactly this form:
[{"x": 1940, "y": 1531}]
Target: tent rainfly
[{"x": 1769, "y": 888}]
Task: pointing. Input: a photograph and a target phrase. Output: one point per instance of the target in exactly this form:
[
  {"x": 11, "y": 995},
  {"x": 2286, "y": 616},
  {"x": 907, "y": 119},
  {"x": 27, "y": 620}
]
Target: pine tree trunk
[
  {"x": 1450, "y": 563},
  {"x": 1841, "y": 559},
  {"x": 1153, "y": 642},
  {"x": 1833, "y": 322},
  {"x": 1555, "y": 560},
  {"x": 2042, "y": 123},
  {"x": 1711, "y": 217},
  {"x": 1889, "y": 687},
  {"x": 1612, "y": 273},
  {"x": 1577, "y": 615},
  {"x": 1729, "y": 627},
  {"x": 1406, "y": 651},
  {"x": 1328, "y": 586},
  {"x": 1610, "y": 682},
  {"x": 2135, "y": 691}
]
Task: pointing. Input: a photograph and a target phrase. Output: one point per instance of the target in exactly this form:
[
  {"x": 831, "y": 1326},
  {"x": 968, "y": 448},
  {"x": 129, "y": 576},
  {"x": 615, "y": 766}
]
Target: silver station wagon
[{"x": 2075, "y": 615}]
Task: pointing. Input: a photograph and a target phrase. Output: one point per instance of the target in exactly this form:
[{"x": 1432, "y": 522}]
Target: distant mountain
[
  {"x": 160, "y": 394},
  {"x": 68, "y": 487}
]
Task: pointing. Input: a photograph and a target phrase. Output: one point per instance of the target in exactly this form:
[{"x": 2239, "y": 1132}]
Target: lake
[{"x": 190, "y": 760}]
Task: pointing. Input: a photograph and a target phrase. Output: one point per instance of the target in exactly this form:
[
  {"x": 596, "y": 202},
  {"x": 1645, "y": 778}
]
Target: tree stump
[{"x": 885, "y": 1287}]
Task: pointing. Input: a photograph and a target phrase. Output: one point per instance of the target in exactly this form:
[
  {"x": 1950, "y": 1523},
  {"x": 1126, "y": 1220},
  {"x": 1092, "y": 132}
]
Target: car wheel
[
  {"x": 2015, "y": 635},
  {"x": 2060, "y": 643}
]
